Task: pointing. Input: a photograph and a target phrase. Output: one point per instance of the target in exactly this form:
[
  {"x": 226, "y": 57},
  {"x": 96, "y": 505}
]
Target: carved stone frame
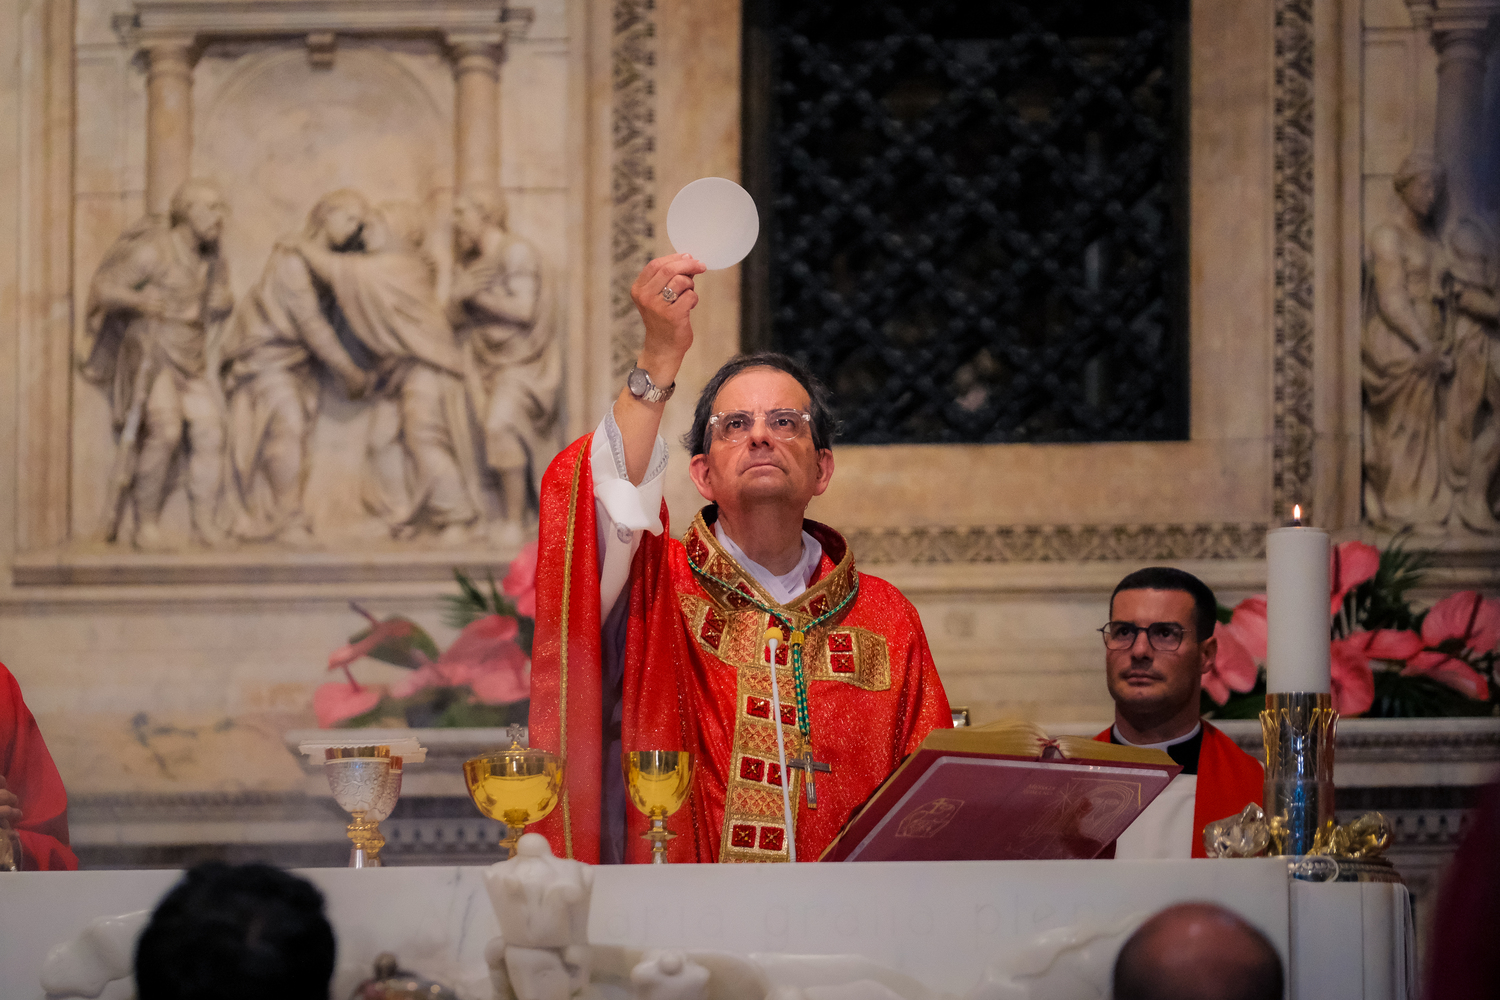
[{"x": 1268, "y": 305}]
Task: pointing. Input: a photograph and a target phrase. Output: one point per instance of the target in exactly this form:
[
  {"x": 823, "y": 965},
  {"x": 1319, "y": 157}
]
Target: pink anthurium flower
[
  {"x": 1234, "y": 667},
  {"x": 1351, "y": 681},
  {"x": 520, "y": 583},
  {"x": 1248, "y": 626},
  {"x": 1350, "y": 565},
  {"x": 335, "y": 702},
  {"x": 484, "y": 658},
  {"x": 487, "y": 659},
  {"x": 393, "y": 628},
  {"x": 1462, "y": 621}
]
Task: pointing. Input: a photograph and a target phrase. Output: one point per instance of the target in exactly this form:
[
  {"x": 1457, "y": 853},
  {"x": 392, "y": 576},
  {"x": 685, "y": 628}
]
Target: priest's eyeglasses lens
[
  {"x": 732, "y": 426},
  {"x": 1163, "y": 636}
]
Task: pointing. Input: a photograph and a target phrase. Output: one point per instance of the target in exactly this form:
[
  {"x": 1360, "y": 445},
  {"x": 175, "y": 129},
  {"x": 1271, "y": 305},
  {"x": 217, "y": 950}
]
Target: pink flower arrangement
[
  {"x": 1455, "y": 644},
  {"x": 483, "y": 678}
]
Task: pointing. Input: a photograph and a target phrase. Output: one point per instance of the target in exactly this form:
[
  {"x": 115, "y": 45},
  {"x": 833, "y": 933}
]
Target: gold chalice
[
  {"x": 659, "y": 782},
  {"x": 516, "y": 786},
  {"x": 365, "y": 779},
  {"x": 366, "y": 782}
]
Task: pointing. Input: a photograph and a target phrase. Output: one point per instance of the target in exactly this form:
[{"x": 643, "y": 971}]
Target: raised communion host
[
  {"x": 645, "y": 642},
  {"x": 1158, "y": 644}
]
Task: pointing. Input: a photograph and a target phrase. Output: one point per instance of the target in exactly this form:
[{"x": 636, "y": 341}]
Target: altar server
[
  {"x": 33, "y": 804},
  {"x": 647, "y": 642},
  {"x": 1158, "y": 644}
]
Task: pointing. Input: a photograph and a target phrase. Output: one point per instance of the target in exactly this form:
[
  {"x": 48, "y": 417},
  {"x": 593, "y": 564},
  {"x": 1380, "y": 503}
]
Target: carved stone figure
[
  {"x": 423, "y": 465},
  {"x": 1404, "y": 363},
  {"x": 278, "y": 335},
  {"x": 542, "y": 904},
  {"x": 498, "y": 305},
  {"x": 161, "y": 289},
  {"x": 1471, "y": 418}
]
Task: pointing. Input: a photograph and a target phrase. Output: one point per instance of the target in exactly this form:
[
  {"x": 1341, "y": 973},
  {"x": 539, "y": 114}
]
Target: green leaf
[
  {"x": 462, "y": 715},
  {"x": 1398, "y": 697},
  {"x": 401, "y": 650},
  {"x": 1381, "y": 601},
  {"x": 468, "y": 605}
]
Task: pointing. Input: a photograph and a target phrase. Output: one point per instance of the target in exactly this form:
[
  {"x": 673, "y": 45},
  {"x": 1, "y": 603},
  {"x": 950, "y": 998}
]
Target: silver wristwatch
[{"x": 641, "y": 387}]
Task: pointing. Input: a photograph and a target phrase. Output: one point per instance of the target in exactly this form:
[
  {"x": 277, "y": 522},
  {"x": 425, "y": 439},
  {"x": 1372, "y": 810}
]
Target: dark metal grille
[{"x": 977, "y": 214}]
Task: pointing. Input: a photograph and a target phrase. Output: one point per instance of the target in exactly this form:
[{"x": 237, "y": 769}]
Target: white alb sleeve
[{"x": 622, "y": 510}]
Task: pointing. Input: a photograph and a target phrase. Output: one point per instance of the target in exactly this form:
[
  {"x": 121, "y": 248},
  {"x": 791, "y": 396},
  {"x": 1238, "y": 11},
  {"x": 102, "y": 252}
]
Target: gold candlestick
[
  {"x": 516, "y": 786},
  {"x": 1298, "y": 730},
  {"x": 659, "y": 782}
]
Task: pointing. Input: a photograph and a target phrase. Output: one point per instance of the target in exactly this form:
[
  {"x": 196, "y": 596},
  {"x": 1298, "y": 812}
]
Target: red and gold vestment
[
  {"x": 30, "y": 773},
  {"x": 696, "y": 678}
]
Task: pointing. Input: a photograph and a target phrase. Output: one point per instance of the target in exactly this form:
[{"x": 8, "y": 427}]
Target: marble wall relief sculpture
[
  {"x": 1430, "y": 347},
  {"x": 154, "y": 304},
  {"x": 334, "y": 338},
  {"x": 499, "y": 305}
]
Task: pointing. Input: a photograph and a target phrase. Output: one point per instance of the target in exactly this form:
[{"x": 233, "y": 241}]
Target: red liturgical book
[{"x": 1003, "y": 793}]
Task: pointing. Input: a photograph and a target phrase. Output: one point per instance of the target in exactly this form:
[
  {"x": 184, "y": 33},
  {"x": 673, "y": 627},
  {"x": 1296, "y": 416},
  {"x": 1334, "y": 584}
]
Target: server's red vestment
[
  {"x": 30, "y": 773},
  {"x": 1229, "y": 779},
  {"x": 695, "y": 678}
]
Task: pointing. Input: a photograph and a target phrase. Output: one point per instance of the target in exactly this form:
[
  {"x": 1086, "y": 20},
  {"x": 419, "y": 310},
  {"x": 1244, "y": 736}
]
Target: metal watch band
[{"x": 641, "y": 387}]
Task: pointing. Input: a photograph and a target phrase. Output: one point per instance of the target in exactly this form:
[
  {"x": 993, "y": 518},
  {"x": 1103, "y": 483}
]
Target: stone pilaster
[
  {"x": 1462, "y": 38},
  {"x": 476, "y": 120},
  {"x": 169, "y": 118}
]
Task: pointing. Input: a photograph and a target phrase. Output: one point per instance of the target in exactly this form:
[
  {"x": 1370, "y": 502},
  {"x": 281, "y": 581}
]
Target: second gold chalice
[
  {"x": 516, "y": 786},
  {"x": 658, "y": 782}
]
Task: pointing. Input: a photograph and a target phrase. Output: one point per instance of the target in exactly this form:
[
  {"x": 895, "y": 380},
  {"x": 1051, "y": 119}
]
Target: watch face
[{"x": 638, "y": 381}]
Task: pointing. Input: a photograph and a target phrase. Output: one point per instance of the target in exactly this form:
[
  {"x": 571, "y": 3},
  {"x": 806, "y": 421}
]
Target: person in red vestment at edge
[
  {"x": 645, "y": 642},
  {"x": 1157, "y": 646},
  {"x": 33, "y": 805}
]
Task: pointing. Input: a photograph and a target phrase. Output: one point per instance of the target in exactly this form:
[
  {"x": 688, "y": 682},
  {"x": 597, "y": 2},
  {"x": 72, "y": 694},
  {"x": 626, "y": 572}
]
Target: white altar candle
[{"x": 1297, "y": 618}]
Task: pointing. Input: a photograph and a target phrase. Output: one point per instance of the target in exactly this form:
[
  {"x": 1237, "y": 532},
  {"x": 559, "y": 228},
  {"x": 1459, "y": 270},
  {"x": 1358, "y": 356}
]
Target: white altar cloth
[{"x": 941, "y": 923}]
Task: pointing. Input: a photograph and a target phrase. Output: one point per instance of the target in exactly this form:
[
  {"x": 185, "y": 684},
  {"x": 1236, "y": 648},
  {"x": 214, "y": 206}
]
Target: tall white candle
[{"x": 1297, "y": 617}]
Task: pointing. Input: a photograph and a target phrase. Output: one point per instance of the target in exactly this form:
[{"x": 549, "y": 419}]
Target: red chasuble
[
  {"x": 696, "y": 679},
  {"x": 30, "y": 773},
  {"x": 1229, "y": 779}
]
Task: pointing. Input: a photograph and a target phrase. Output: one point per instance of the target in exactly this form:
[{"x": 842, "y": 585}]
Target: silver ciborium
[{"x": 366, "y": 782}]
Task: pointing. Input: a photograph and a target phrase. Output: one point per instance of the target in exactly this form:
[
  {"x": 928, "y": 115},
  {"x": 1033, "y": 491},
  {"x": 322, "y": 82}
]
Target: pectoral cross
[{"x": 805, "y": 763}]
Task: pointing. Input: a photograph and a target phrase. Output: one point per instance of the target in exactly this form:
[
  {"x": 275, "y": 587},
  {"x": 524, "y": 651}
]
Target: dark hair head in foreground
[
  {"x": 820, "y": 400},
  {"x": 245, "y": 932},
  {"x": 1197, "y": 951}
]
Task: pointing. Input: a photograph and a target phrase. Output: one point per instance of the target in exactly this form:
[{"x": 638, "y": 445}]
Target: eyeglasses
[
  {"x": 733, "y": 426},
  {"x": 1163, "y": 636}
]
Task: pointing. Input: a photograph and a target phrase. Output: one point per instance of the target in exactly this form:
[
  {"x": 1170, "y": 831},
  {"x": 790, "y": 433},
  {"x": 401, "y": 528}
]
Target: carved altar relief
[
  {"x": 1431, "y": 328},
  {"x": 344, "y": 402}
]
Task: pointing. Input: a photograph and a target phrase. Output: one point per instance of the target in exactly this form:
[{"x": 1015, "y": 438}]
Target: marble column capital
[
  {"x": 475, "y": 50},
  {"x": 1453, "y": 17},
  {"x": 170, "y": 54}
]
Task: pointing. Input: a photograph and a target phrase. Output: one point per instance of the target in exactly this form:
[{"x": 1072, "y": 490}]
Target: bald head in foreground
[{"x": 1197, "y": 951}]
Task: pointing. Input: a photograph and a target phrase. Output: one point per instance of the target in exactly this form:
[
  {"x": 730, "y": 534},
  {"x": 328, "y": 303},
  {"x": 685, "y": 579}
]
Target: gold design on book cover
[
  {"x": 929, "y": 819},
  {"x": 1080, "y": 809}
]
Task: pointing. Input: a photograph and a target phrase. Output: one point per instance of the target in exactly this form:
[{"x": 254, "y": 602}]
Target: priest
[
  {"x": 1158, "y": 644},
  {"x": 33, "y": 804},
  {"x": 796, "y": 682}
]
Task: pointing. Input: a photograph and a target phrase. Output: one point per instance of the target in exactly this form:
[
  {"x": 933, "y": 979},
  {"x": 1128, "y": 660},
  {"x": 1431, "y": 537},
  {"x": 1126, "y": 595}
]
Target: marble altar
[{"x": 935, "y": 929}]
